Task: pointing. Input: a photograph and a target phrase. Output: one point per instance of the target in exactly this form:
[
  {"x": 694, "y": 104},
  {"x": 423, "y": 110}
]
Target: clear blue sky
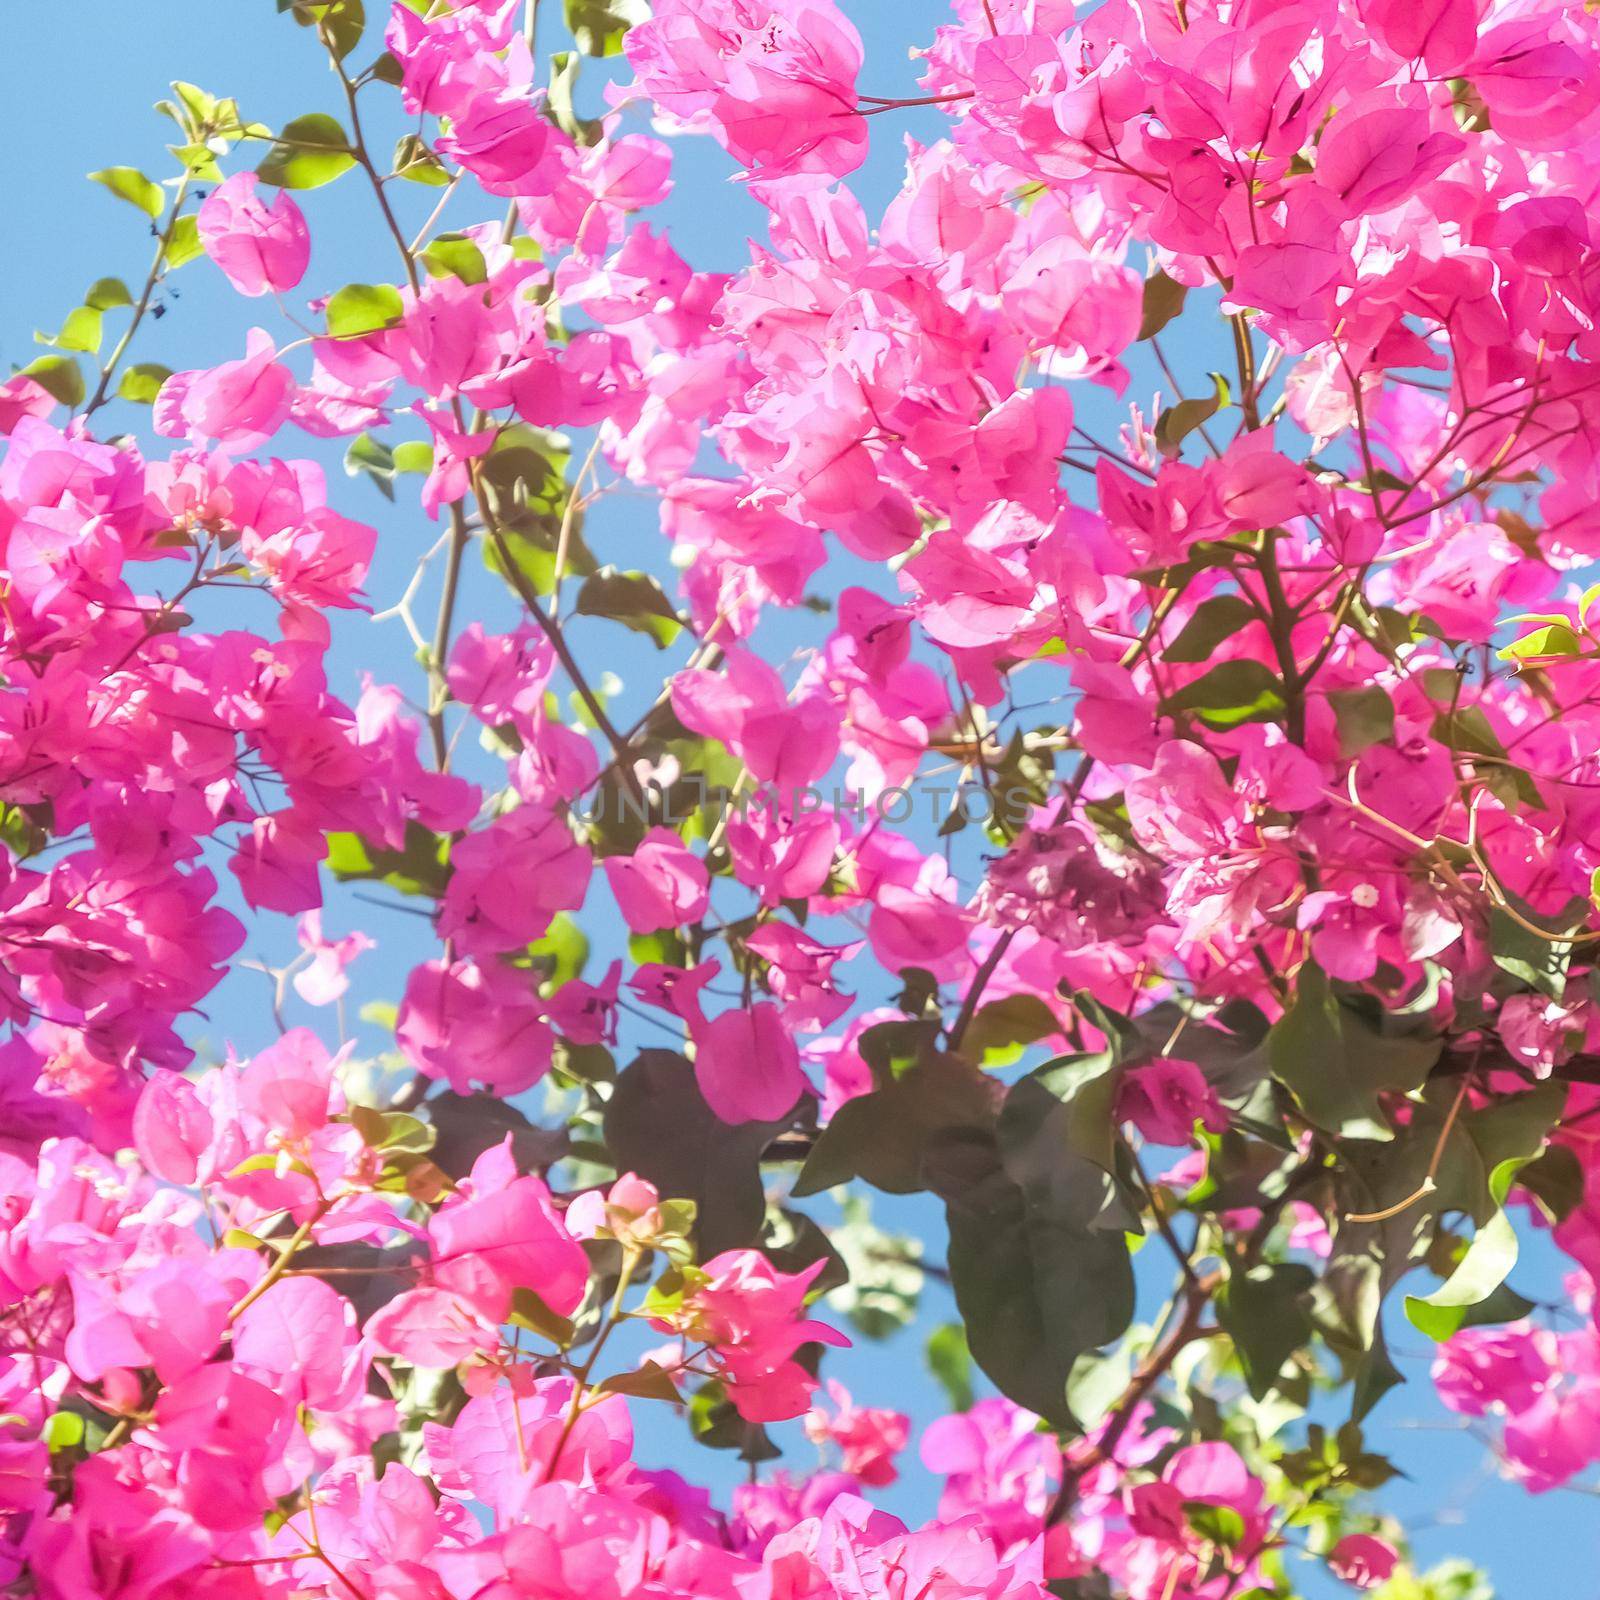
[{"x": 78, "y": 82}]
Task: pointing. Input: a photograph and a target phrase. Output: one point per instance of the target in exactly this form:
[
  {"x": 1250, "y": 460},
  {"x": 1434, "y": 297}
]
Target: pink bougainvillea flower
[{"x": 263, "y": 249}]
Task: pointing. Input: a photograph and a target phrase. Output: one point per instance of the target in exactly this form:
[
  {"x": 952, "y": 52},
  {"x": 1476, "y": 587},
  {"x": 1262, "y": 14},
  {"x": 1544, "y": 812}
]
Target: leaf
[
  {"x": 950, "y": 1361},
  {"x": 658, "y": 1124},
  {"x": 1228, "y": 695},
  {"x": 1035, "y": 1289},
  {"x": 530, "y": 1312},
  {"x": 1538, "y": 962},
  {"x": 455, "y": 255},
  {"x": 1337, "y": 1064},
  {"x": 340, "y": 22},
  {"x": 1554, "y": 642},
  {"x": 373, "y": 459},
  {"x": 108, "y": 294},
  {"x": 81, "y": 331},
  {"x": 1214, "y": 622},
  {"x": 1364, "y": 717},
  {"x": 311, "y": 151},
  {"x": 599, "y": 26},
  {"x": 130, "y": 184},
  {"x": 421, "y": 866},
  {"x": 1474, "y": 1293},
  {"x": 1177, "y": 422},
  {"x": 647, "y": 1381},
  {"x": 886, "y": 1137},
  {"x": 560, "y": 103},
  {"x": 141, "y": 383},
  {"x": 465, "y": 1125},
  {"x": 416, "y": 163},
  {"x": 1000, "y": 1028},
  {"x": 183, "y": 243},
  {"x": 362, "y": 308},
  {"x": 1163, "y": 300},
  {"x": 1264, "y": 1312},
  {"x": 59, "y": 376},
  {"x": 635, "y": 599}
]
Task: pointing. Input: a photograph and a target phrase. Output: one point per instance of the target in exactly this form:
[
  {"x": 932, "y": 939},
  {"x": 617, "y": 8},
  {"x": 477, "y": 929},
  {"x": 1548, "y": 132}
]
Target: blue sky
[{"x": 78, "y": 83}]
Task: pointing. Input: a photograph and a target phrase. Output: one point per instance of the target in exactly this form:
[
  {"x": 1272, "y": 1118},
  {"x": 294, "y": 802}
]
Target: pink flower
[
  {"x": 239, "y": 405},
  {"x": 868, "y": 1438},
  {"x": 1164, "y": 1099},
  {"x": 747, "y": 1065},
  {"x": 325, "y": 979},
  {"x": 1363, "y": 1559},
  {"x": 661, "y": 885},
  {"x": 262, "y": 249}
]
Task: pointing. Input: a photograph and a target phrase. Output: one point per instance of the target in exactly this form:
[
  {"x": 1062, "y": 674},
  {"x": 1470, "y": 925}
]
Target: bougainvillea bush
[{"x": 1090, "y": 721}]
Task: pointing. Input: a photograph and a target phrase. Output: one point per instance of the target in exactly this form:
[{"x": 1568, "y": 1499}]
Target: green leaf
[
  {"x": 108, "y": 294},
  {"x": 64, "y": 1430},
  {"x": 1538, "y": 962},
  {"x": 658, "y": 1124},
  {"x": 599, "y": 26},
  {"x": 635, "y": 599},
  {"x": 1175, "y": 424},
  {"x": 421, "y": 866},
  {"x": 1364, "y": 717},
  {"x": 455, "y": 255},
  {"x": 884, "y": 1272},
  {"x": 362, "y": 308},
  {"x": 530, "y": 1312},
  {"x": 1474, "y": 1293},
  {"x": 1163, "y": 300},
  {"x": 950, "y": 1361},
  {"x": 1228, "y": 695},
  {"x": 887, "y": 1137},
  {"x": 340, "y": 22},
  {"x": 81, "y": 331},
  {"x": 1554, "y": 642},
  {"x": 59, "y": 376},
  {"x": 465, "y": 1125},
  {"x": 141, "y": 383},
  {"x": 416, "y": 163},
  {"x": 373, "y": 459},
  {"x": 1000, "y": 1029},
  {"x": 183, "y": 244},
  {"x": 1264, "y": 1312},
  {"x": 311, "y": 151},
  {"x": 646, "y": 1382},
  {"x": 560, "y": 102},
  {"x": 1222, "y": 1525},
  {"x": 1035, "y": 1288},
  {"x": 1214, "y": 622},
  {"x": 1337, "y": 1064},
  {"x": 128, "y": 183}
]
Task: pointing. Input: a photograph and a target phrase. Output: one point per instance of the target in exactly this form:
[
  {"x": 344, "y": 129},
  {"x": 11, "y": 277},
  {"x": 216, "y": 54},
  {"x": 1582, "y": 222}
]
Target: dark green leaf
[
  {"x": 634, "y": 599},
  {"x": 373, "y": 459},
  {"x": 1338, "y": 1064},
  {"x": 1214, "y": 622},
  {"x": 1163, "y": 300},
  {"x": 658, "y": 1125},
  {"x": 1228, "y": 695},
  {"x": 1265, "y": 1314},
  {"x": 887, "y": 1137},
  {"x": 1364, "y": 717}
]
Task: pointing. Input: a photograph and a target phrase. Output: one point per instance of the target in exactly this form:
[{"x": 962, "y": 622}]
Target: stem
[
  {"x": 630, "y": 1260},
  {"x": 980, "y": 982},
  {"x": 142, "y": 305}
]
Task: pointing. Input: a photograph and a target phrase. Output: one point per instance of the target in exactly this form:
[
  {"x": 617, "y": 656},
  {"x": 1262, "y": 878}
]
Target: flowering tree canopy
[{"x": 1168, "y": 846}]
